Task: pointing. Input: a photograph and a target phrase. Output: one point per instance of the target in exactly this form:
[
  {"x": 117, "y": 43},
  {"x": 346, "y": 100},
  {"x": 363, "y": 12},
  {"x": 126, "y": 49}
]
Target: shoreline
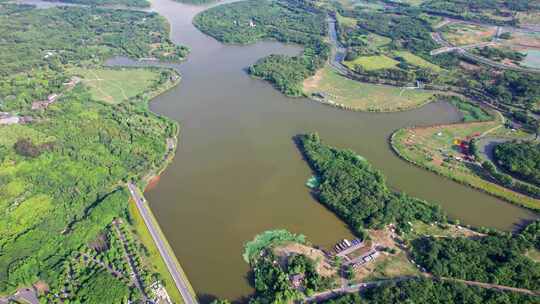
[
  {"x": 392, "y": 142},
  {"x": 143, "y": 182},
  {"x": 328, "y": 66}
]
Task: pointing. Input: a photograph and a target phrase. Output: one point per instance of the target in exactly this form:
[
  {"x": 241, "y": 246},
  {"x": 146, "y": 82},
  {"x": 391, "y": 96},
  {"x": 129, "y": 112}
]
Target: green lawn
[
  {"x": 418, "y": 61},
  {"x": 371, "y": 63},
  {"x": 375, "y": 41},
  {"x": 154, "y": 259},
  {"x": 116, "y": 85},
  {"x": 364, "y": 96},
  {"x": 435, "y": 149},
  {"x": 346, "y": 22},
  {"x": 392, "y": 267}
]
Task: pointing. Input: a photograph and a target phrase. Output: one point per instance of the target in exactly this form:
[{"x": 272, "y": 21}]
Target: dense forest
[
  {"x": 285, "y": 21},
  {"x": 498, "y": 258},
  {"x": 54, "y": 37},
  {"x": 496, "y": 12},
  {"x": 272, "y": 280},
  {"x": 356, "y": 192},
  {"x": 406, "y": 31},
  {"x": 514, "y": 88},
  {"x": 128, "y": 3},
  {"x": 61, "y": 171},
  {"x": 521, "y": 159},
  {"x": 196, "y": 1},
  {"x": 427, "y": 291}
]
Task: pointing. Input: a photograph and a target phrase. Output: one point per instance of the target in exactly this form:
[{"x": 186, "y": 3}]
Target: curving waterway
[{"x": 237, "y": 172}]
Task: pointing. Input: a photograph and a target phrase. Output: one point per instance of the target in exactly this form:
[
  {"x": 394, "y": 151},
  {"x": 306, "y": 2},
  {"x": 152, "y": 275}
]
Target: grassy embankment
[
  {"x": 154, "y": 259},
  {"x": 116, "y": 85},
  {"x": 361, "y": 96},
  {"x": 434, "y": 149},
  {"x": 371, "y": 63}
]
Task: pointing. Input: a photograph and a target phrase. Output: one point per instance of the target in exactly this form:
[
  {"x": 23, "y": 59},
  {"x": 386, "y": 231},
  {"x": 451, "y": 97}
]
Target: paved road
[
  {"x": 326, "y": 295},
  {"x": 462, "y": 50},
  {"x": 359, "y": 287},
  {"x": 338, "y": 51},
  {"x": 180, "y": 281}
]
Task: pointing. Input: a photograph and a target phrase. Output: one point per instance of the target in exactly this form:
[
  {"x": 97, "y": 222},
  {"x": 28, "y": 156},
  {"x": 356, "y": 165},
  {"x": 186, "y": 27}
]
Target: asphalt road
[
  {"x": 179, "y": 280},
  {"x": 338, "y": 51}
]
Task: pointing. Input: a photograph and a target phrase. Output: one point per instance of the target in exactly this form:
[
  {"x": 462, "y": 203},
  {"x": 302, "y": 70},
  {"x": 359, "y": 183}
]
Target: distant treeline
[
  {"x": 427, "y": 291},
  {"x": 129, "y": 3},
  {"x": 521, "y": 159},
  {"x": 497, "y": 258},
  {"x": 285, "y": 21}
]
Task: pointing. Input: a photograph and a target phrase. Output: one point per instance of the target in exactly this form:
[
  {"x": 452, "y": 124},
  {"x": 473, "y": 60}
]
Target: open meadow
[
  {"x": 445, "y": 150},
  {"x": 417, "y": 61},
  {"x": 364, "y": 96},
  {"x": 465, "y": 34},
  {"x": 116, "y": 85},
  {"x": 371, "y": 63}
]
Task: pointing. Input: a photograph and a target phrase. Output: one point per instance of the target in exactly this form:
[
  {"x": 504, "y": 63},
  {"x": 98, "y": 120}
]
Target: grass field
[
  {"x": 392, "y": 267},
  {"x": 420, "y": 229},
  {"x": 371, "y": 63},
  {"x": 435, "y": 149},
  {"x": 116, "y": 85},
  {"x": 414, "y": 2},
  {"x": 418, "y": 61},
  {"x": 534, "y": 254},
  {"x": 351, "y": 4},
  {"x": 346, "y": 22},
  {"x": 363, "y": 96},
  {"x": 154, "y": 260},
  {"x": 375, "y": 41},
  {"x": 465, "y": 34}
]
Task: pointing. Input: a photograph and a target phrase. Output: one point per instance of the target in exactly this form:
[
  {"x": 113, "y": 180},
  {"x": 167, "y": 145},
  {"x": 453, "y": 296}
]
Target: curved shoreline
[
  {"x": 392, "y": 142},
  {"x": 166, "y": 182}
]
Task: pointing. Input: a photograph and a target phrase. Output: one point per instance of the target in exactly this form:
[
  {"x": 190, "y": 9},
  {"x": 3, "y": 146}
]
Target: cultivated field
[
  {"x": 346, "y": 22},
  {"x": 371, "y": 63},
  {"x": 418, "y": 61},
  {"x": 116, "y": 85},
  {"x": 465, "y": 34},
  {"x": 438, "y": 149},
  {"x": 363, "y": 96}
]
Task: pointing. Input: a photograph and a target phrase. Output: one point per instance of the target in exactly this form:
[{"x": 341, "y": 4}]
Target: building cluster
[
  {"x": 347, "y": 245},
  {"x": 366, "y": 258},
  {"x": 160, "y": 293}
]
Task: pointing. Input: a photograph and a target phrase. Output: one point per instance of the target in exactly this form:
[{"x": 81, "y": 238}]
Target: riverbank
[
  {"x": 329, "y": 87},
  {"x": 437, "y": 149},
  {"x": 137, "y": 221}
]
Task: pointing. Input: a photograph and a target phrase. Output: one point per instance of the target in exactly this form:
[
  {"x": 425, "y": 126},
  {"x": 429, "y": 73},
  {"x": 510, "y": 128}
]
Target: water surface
[{"x": 237, "y": 172}]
